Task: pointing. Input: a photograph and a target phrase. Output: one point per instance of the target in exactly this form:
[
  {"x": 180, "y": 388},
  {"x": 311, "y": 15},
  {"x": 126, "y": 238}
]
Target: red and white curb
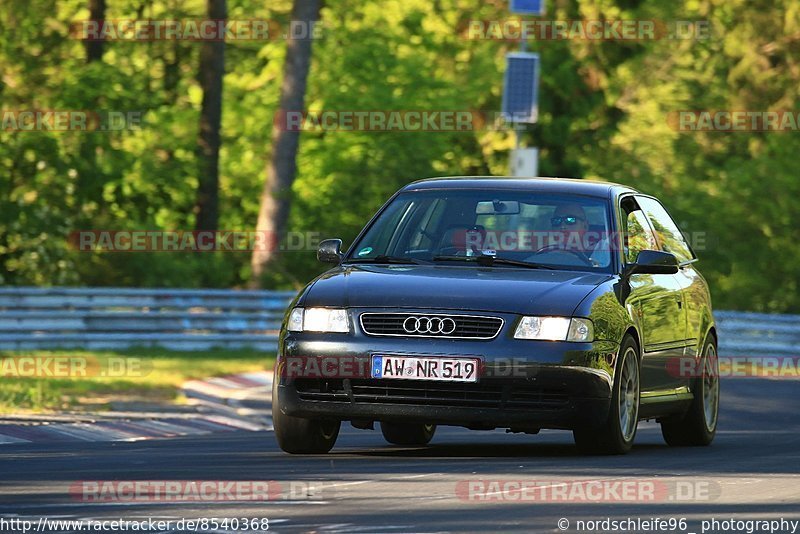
[
  {"x": 247, "y": 395},
  {"x": 120, "y": 427},
  {"x": 223, "y": 404},
  {"x": 231, "y": 390}
]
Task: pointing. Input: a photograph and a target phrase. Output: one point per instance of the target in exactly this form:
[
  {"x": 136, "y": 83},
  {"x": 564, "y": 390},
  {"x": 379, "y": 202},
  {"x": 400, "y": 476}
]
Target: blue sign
[
  {"x": 521, "y": 88},
  {"x": 527, "y": 7},
  {"x": 377, "y": 366}
]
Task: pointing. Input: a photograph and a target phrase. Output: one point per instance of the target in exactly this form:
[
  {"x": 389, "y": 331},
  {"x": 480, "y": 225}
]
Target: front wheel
[
  {"x": 407, "y": 433},
  {"x": 615, "y": 435},
  {"x": 698, "y": 426},
  {"x": 297, "y": 435}
]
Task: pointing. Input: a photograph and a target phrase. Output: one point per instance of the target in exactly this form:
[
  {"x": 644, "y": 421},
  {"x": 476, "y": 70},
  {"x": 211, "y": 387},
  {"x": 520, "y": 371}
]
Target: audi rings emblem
[{"x": 429, "y": 325}]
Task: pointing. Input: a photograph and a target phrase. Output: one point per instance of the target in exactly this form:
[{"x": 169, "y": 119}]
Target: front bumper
[{"x": 523, "y": 383}]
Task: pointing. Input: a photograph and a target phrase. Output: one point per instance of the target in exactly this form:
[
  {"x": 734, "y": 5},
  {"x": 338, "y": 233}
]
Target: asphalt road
[{"x": 751, "y": 472}]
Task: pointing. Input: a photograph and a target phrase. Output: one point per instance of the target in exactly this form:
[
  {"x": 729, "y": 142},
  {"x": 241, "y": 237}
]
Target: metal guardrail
[
  {"x": 119, "y": 318},
  {"x": 201, "y": 319},
  {"x": 761, "y": 334}
]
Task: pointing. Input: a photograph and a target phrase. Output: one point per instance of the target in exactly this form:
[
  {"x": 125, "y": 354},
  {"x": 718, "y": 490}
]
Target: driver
[{"x": 570, "y": 231}]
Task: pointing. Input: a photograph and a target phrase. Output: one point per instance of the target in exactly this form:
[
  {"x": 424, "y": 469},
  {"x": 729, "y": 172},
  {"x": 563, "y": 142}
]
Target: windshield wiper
[
  {"x": 488, "y": 261},
  {"x": 387, "y": 260}
]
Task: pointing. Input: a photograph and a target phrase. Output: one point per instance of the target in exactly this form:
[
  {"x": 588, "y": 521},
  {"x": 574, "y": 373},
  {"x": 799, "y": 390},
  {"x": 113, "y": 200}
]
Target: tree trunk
[
  {"x": 273, "y": 212},
  {"x": 97, "y": 12},
  {"x": 212, "y": 70}
]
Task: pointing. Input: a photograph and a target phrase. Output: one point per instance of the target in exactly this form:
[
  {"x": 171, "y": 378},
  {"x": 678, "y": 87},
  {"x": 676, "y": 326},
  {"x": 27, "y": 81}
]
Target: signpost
[{"x": 521, "y": 92}]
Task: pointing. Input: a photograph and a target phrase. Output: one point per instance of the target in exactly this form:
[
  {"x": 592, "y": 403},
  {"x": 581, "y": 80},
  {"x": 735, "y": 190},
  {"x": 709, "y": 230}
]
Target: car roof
[{"x": 574, "y": 186}]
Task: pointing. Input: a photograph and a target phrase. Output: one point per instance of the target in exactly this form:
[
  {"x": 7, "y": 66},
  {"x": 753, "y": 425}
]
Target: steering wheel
[{"x": 555, "y": 247}]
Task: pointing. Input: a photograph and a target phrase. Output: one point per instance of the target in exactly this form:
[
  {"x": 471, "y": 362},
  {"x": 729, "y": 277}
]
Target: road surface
[{"x": 464, "y": 482}]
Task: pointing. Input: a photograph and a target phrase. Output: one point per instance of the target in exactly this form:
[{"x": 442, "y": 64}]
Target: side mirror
[
  {"x": 654, "y": 262},
  {"x": 330, "y": 251}
]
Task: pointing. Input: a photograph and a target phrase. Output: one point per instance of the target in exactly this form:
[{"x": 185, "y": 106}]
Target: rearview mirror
[
  {"x": 654, "y": 262},
  {"x": 497, "y": 207},
  {"x": 330, "y": 251}
]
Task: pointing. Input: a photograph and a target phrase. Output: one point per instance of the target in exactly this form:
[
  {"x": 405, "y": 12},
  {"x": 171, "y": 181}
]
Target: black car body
[{"x": 637, "y": 311}]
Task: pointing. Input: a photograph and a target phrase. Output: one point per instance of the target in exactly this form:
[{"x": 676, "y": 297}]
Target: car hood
[{"x": 498, "y": 289}]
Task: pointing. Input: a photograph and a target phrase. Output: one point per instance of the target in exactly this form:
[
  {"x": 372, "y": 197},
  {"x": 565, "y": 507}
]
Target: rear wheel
[
  {"x": 698, "y": 426},
  {"x": 407, "y": 433},
  {"x": 297, "y": 435},
  {"x": 616, "y": 434}
]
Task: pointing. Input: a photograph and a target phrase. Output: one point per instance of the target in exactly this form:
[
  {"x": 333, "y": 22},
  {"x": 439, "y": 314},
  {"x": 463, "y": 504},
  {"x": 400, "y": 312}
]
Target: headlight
[
  {"x": 318, "y": 320},
  {"x": 555, "y": 329}
]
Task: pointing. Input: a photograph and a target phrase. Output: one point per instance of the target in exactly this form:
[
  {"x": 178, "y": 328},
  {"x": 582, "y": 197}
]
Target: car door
[
  {"x": 693, "y": 286},
  {"x": 656, "y": 301}
]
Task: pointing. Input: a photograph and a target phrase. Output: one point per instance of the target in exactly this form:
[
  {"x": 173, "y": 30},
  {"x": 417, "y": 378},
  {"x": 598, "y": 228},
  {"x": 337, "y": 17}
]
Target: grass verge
[{"x": 45, "y": 381}]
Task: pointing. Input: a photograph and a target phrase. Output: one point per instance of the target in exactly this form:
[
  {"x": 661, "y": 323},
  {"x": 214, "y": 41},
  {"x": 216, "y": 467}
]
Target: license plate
[{"x": 425, "y": 368}]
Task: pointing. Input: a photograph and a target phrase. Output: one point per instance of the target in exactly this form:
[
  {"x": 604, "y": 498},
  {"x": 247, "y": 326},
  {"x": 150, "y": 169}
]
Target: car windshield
[{"x": 497, "y": 227}]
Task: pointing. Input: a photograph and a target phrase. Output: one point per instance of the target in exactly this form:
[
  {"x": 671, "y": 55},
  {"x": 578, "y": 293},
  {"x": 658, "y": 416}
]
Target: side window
[
  {"x": 667, "y": 232},
  {"x": 386, "y": 234},
  {"x": 637, "y": 236}
]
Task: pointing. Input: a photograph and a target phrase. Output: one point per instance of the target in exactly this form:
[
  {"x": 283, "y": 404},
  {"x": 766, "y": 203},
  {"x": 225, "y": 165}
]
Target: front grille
[
  {"x": 462, "y": 326},
  {"x": 485, "y": 394}
]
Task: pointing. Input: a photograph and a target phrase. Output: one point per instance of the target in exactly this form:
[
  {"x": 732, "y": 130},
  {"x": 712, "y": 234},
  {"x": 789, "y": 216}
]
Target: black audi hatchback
[{"x": 503, "y": 303}]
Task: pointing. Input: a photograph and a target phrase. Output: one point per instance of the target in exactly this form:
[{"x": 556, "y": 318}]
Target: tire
[
  {"x": 407, "y": 433},
  {"x": 698, "y": 426},
  {"x": 297, "y": 435},
  {"x": 616, "y": 434}
]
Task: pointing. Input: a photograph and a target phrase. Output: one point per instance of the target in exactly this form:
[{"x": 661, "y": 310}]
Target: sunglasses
[{"x": 569, "y": 220}]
